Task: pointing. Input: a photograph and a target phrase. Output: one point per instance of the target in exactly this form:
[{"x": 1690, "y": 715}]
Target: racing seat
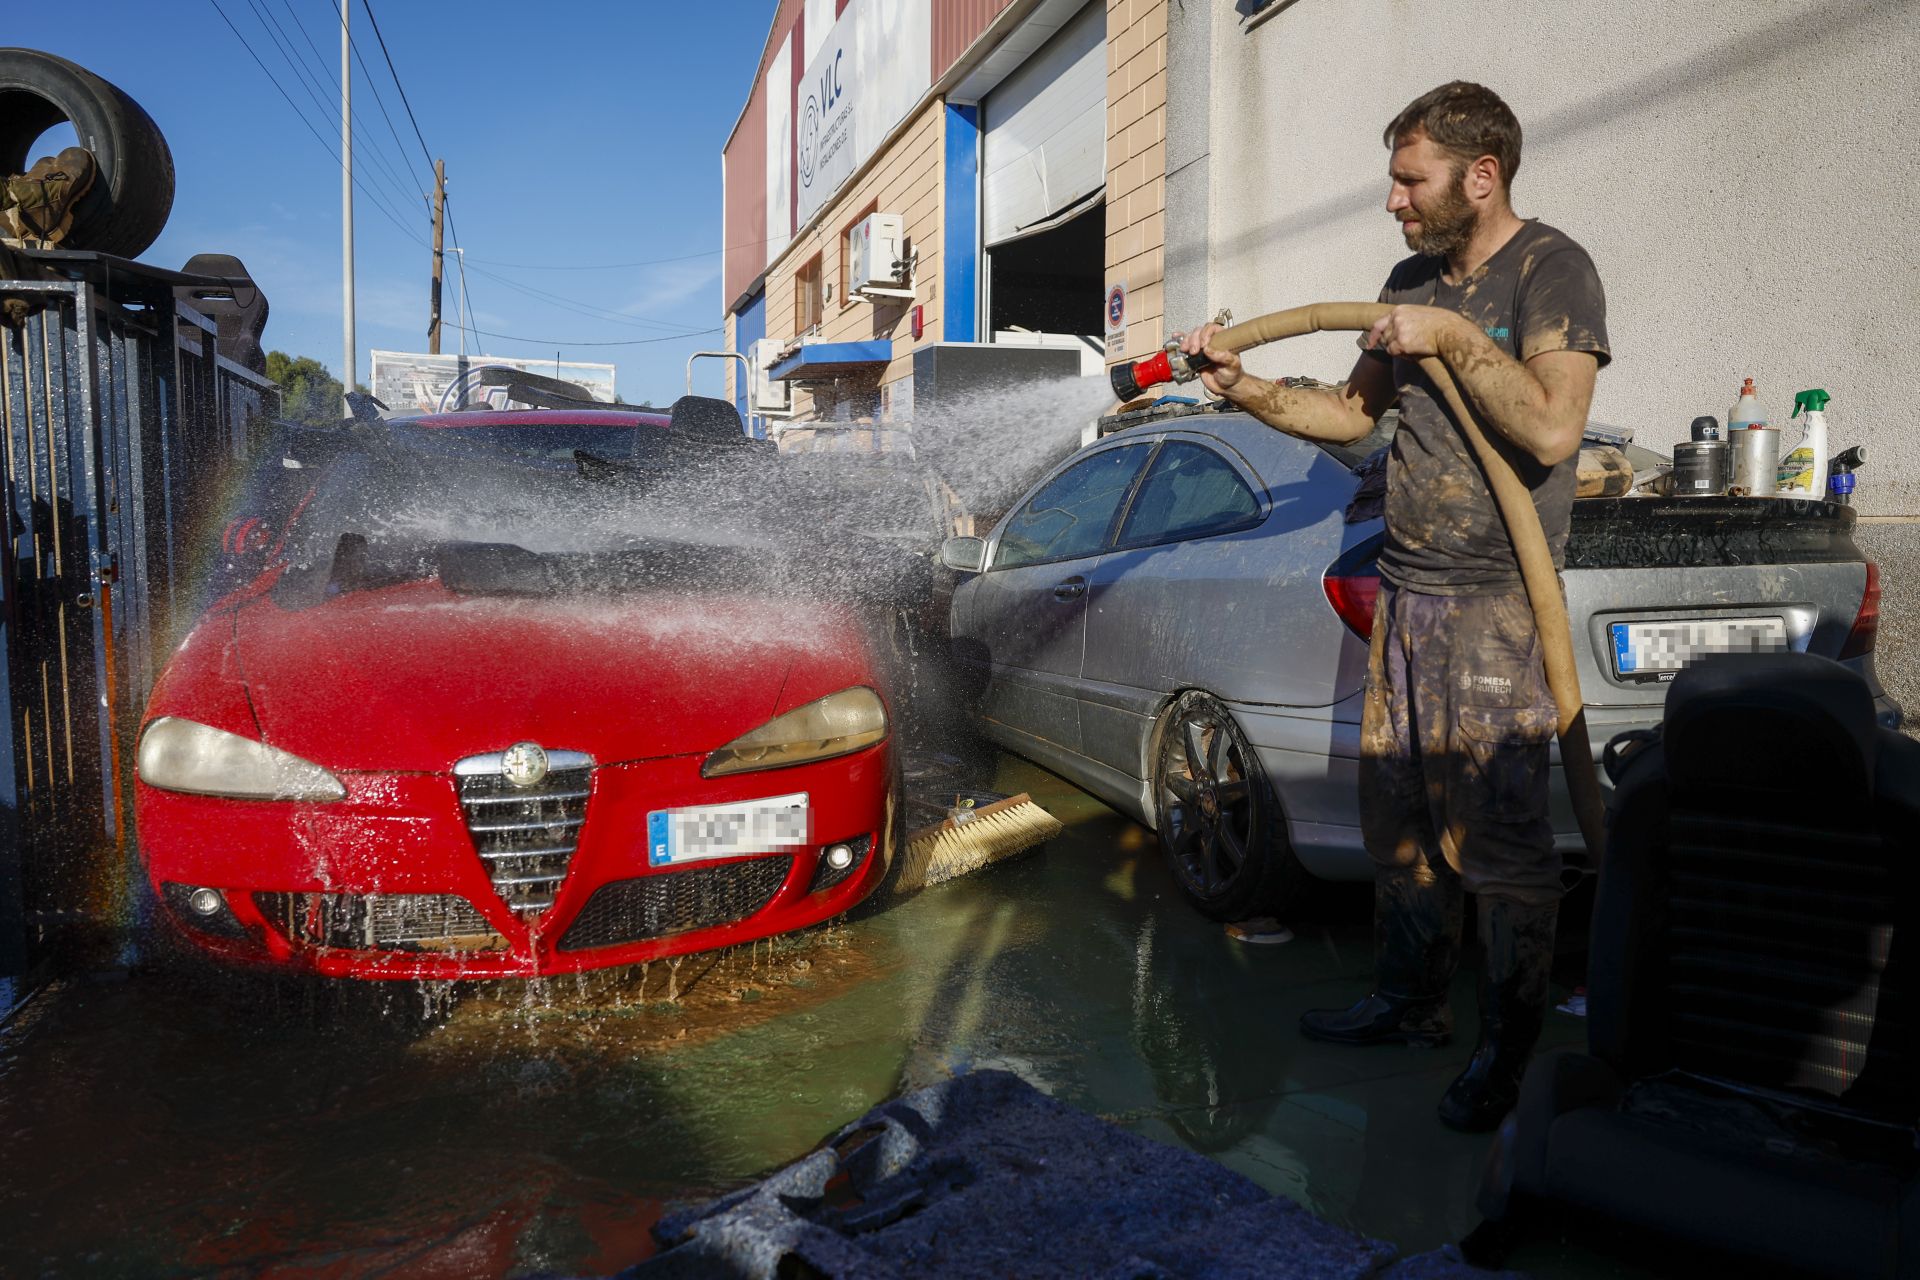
[{"x": 1752, "y": 1079}]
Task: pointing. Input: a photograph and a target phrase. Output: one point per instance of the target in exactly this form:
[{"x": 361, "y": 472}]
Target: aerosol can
[{"x": 1800, "y": 468}]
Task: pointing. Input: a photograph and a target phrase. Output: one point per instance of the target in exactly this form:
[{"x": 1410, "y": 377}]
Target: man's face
[{"x": 1429, "y": 197}]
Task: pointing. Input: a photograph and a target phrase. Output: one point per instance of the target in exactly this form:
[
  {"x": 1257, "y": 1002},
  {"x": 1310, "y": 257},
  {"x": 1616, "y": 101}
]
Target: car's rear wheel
[{"x": 1219, "y": 822}]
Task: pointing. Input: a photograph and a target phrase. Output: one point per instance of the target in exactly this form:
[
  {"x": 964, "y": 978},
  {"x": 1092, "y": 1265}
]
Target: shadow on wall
[{"x": 1790, "y": 37}]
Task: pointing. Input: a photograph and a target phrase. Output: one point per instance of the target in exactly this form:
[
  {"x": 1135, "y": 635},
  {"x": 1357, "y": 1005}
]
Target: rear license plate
[
  {"x": 726, "y": 830},
  {"x": 1658, "y": 650}
]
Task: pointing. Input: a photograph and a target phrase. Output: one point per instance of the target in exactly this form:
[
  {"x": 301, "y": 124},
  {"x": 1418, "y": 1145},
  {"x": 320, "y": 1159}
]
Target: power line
[
  {"x": 271, "y": 25},
  {"x": 373, "y": 83},
  {"x": 371, "y": 195},
  {"x": 621, "y": 266},
  {"x": 630, "y": 342},
  {"x": 425, "y": 150}
]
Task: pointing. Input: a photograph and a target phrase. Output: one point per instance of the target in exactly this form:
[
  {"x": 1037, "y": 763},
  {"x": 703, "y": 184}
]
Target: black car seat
[{"x": 1752, "y": 1080}]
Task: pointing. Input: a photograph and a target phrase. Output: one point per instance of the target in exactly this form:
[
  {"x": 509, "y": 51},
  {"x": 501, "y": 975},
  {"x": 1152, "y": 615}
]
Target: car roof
[{"x": 538, "y": 418}]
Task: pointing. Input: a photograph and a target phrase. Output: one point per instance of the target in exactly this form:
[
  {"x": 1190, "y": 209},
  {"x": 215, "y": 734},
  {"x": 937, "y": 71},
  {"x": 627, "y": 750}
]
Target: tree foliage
[{"x": 308, "y": 393}]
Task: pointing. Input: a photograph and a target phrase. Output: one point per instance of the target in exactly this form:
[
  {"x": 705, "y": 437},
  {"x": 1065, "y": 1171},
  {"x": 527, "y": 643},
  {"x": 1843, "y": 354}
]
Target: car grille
[
  {"x": 1776, "y": 957},
  {"x": 381, "y": 921},
  {"x": 525, "y": 835},
  {"x": 671, "y": 902}
]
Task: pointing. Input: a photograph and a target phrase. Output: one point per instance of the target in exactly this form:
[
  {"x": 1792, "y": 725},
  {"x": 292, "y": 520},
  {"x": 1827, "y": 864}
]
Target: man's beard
[{"x": 1447, "y": 225}]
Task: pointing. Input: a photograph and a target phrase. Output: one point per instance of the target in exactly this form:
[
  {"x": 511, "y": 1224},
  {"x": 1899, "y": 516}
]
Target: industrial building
[{"x": 906, "y": 175}]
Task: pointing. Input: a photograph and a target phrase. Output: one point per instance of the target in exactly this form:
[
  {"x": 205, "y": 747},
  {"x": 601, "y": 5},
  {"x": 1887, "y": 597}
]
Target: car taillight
[
  {"x": 1866, "y": 623},
  {"x": 1352, "y": 597}
]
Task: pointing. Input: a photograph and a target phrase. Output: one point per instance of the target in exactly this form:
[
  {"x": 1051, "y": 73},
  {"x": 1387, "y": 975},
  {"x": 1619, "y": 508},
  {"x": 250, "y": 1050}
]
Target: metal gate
[{"x": 121, "y": 425}]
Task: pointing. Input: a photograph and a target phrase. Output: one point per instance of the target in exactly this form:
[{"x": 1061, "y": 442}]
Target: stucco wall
[{"x": 1743, "y": 173}]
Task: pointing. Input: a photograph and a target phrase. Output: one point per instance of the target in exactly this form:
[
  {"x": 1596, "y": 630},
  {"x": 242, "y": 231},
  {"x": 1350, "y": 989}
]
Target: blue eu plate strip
[
  {"x": 1622, "y": 648},
  {"x": 658, "y": 854}
]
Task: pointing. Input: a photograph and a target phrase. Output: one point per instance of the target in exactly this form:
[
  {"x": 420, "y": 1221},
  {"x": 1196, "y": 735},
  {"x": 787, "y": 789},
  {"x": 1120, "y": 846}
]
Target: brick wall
[
  {"x": 906, "y": 180},
  {"x": 1137, "y": 165}
]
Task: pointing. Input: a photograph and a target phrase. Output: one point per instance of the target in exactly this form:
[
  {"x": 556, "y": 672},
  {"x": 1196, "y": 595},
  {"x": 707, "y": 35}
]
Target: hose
[{"x": 1529, "y": 540}]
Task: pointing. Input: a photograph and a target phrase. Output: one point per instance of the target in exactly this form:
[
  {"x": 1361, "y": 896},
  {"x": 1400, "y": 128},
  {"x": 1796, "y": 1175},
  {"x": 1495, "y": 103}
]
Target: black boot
[
  {"x": 1416, "y": 944},
  {"x": 1518, "y": 941}
]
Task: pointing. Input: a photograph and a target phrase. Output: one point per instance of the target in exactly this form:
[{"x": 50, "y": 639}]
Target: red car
[{"x": 480, "y": 719}]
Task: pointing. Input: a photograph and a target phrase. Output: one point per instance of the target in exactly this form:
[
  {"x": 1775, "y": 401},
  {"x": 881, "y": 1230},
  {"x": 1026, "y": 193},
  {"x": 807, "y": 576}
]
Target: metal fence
[{"x": 122, "y": 425}]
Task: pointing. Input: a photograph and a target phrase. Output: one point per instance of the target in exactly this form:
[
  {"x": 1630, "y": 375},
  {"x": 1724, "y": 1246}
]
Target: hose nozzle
[{"x": 1170, "y": 364}]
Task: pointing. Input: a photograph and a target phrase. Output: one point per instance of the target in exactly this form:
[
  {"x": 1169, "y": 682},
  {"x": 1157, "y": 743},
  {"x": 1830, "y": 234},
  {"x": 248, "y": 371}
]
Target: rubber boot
[
  {"x": 1416, "y": 944},
  {"x": 1518, "y": 942}
]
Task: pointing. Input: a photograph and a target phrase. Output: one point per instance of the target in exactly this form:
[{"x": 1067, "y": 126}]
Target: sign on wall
[
  {"x": 1116, "y": 322},
  {"x": 867, "y": 74}
]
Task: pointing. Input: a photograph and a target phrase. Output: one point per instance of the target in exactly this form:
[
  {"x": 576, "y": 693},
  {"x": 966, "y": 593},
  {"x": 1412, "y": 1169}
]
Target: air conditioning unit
[
  {"x": 877, "y": 264},
  {"x": 766, "y": 395}
]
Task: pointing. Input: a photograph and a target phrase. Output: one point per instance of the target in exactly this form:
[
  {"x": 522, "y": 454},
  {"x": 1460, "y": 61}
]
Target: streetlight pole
[
  {"x": 346, "y": 194},
  {"x": 460, "y": 308}
]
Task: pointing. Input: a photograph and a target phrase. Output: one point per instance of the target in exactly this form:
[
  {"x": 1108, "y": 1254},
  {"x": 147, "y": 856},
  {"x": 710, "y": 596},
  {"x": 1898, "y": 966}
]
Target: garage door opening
[{"x": 1050, "y": 282}]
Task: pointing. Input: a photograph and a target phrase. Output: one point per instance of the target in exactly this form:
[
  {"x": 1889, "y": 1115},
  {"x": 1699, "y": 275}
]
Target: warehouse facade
[{"x": 907, "y": 173}]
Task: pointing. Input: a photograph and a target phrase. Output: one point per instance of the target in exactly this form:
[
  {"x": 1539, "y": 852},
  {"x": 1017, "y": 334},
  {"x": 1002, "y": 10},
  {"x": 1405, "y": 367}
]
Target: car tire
[
  {"x": 1217, "y": 817},
  {"x": 132, "y": 194}
]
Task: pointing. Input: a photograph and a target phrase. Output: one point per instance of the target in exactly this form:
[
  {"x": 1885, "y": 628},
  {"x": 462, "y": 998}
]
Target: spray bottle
[{"x": 1800, "y": 469}]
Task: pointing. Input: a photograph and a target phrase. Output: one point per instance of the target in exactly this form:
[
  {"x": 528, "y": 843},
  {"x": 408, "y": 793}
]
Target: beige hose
[{"x": 1523, "y": 530}]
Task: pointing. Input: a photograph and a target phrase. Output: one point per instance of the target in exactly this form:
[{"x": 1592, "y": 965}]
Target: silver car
[{"x": 1175, "y": 619}]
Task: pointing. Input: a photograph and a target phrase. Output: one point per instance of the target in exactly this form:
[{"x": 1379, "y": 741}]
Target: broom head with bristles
[{"x": 986, "y": 835}]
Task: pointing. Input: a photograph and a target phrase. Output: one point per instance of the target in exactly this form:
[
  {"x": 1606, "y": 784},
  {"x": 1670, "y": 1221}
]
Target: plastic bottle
[
  {"x": 1746, "y": 411},
  {"x": 1801, "y": 467}
]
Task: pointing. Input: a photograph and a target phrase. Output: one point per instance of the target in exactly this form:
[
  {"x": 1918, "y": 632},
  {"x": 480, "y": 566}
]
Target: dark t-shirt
[{"x": 1538, "y": 293}]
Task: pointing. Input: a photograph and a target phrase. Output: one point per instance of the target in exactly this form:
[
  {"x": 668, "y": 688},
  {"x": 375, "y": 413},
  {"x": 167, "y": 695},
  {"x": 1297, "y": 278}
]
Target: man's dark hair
[{"x": 1467, "y": 121}]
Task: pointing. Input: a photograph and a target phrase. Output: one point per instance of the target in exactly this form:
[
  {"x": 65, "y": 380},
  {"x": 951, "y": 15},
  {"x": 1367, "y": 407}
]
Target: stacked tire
[{"x": 132, "y": 193}]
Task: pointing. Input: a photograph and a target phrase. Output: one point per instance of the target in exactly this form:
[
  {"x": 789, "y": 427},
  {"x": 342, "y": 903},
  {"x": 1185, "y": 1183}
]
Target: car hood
[{"x": 413, "y": 678}]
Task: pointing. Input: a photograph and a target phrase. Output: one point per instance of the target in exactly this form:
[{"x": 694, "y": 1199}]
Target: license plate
[
  {"x": 1656, "y": 650},
  {"x": 726, "y": 830}
]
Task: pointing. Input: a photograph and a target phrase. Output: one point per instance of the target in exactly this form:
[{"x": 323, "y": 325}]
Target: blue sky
[{"x": 577, "y": 134}]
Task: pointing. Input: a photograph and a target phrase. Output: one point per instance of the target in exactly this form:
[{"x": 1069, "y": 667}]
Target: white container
[
  {"x": 1746, "y": 412},
  {"x": 1803, "y": 468}
]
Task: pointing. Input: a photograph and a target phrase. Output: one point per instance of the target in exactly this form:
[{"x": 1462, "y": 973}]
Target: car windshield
[{"x": 690, "y": 518}]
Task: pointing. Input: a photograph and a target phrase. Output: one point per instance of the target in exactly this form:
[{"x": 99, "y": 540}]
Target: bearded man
[{"x": 1457, "y": 716}]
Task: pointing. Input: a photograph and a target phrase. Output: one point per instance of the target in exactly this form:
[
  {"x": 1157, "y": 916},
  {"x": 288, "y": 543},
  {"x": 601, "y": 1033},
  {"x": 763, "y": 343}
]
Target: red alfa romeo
[{"x": 480, "y": 719}]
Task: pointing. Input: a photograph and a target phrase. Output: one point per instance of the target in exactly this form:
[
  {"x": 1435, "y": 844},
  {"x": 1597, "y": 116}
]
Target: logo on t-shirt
[{"x": 1499, "y": 333}]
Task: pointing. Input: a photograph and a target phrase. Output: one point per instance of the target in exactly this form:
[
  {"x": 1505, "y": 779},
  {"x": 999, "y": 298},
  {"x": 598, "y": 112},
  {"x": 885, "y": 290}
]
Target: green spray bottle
[{"x": 1803, "y": 471}]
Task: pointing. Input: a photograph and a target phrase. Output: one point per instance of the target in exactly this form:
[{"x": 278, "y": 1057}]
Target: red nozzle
[{"x": 1129, "y": 380}]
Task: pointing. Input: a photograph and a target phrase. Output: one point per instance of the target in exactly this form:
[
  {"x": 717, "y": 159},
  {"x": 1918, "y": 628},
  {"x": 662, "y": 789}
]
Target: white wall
[{"x": 1745, "y": 174}]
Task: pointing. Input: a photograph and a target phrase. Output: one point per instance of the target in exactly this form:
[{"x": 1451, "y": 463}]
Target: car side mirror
[{"x": 965, "y": 554}]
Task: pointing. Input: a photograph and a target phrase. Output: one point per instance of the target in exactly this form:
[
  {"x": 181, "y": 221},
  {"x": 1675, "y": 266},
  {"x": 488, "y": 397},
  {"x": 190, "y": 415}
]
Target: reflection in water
[{"x": 156, "y": 1127}]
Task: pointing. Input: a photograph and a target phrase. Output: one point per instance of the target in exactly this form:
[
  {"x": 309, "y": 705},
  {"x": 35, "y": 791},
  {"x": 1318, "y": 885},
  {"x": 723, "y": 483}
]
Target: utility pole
[
  {"x": 346, "y": 195},
  {"x": 439, "y": 217}
]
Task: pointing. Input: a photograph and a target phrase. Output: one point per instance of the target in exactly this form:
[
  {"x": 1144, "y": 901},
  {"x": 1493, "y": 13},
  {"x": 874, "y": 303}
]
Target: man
[{"x": 1457, "y": 717}]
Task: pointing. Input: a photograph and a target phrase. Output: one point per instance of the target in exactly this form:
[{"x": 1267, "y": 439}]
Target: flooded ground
[{"x": 159, "y": 1127}]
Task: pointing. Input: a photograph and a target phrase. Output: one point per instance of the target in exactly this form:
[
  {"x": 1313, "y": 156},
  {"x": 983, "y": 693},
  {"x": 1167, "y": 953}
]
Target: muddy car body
[
  {"x": 1175, "y": 619},
  {"x": 483, "y": 719}
]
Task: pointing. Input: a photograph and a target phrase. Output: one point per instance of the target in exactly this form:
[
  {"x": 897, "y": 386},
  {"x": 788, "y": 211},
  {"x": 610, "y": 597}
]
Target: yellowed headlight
[
  {"x": 836, "y": 725},
  {"x": 182, "y": 755}
]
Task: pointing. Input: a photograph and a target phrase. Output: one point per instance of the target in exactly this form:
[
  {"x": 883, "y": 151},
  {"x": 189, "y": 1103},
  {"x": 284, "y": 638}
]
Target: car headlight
[
  {"x": 836, "y": 725},
  {"x": 180, "y": 755}
]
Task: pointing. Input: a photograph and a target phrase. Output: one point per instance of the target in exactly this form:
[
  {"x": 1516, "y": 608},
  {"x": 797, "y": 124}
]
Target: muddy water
[{"x": 158, "y": 1127}]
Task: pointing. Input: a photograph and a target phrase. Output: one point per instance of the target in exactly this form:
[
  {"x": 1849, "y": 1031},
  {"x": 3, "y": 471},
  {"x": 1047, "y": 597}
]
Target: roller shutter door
[{"x": 1044, "y": 143}]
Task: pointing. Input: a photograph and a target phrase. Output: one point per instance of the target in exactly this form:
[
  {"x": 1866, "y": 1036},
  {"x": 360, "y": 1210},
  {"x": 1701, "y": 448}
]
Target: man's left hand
[{"x": 1414, "y": 332}]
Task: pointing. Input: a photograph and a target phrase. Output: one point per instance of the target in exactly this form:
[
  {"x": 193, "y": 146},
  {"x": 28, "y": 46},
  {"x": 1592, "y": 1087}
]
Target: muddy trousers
[{"x": 1453, "y": 797}]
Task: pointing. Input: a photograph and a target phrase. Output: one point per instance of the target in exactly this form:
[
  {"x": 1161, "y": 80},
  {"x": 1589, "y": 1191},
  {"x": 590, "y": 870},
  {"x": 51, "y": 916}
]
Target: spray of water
[{"x": 771, "y": 549}]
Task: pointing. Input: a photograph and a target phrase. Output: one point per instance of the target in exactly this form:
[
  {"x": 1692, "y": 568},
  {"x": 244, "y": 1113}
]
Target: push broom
[{"x": 969, "y": 839}]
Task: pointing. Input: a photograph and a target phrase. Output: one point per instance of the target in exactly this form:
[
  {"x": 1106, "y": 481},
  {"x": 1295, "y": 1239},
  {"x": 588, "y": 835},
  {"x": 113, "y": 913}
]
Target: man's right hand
[{"x": 1226, "y": 370}]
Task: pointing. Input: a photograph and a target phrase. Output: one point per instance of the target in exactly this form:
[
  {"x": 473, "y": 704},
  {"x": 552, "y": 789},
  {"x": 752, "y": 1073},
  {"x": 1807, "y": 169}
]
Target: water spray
[{"x": 1537, "y": 571}]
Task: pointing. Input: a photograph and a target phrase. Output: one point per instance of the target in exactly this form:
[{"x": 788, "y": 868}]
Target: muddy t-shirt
[{"x": 1538, "y": 293}]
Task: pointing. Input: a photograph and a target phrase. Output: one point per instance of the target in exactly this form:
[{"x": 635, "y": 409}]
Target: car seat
[{"x": 1751, "y": 1080}]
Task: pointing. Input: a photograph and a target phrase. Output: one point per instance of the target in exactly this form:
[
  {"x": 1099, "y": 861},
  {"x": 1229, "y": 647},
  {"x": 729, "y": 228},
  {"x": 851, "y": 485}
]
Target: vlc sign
[{"x": 828, "y": 94}]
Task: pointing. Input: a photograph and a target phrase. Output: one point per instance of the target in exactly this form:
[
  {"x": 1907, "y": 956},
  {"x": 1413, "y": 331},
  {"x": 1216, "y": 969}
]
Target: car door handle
[{"x": 1071, "y": 589}]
